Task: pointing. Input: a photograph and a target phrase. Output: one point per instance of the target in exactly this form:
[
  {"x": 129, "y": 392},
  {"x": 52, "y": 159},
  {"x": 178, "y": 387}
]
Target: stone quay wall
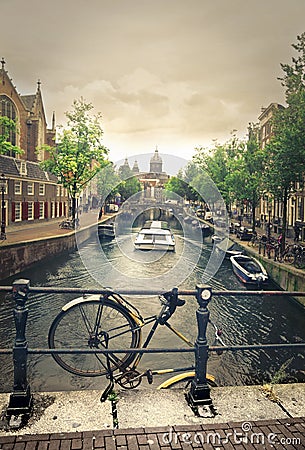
[
  {"x": 17, "y": 257},
  {"x": 285, "y": 276}
]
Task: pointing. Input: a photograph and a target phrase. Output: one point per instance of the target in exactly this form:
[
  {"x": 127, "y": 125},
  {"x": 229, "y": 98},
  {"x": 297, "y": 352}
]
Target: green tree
[
  {"x": 79, "y": 153},
  {"x": 285, "y": 153},
  {"x": 251, "y": 181},
  {"x": 128, "y": 187},
  {"x": 7, "y": 126},
  {"x": 107, "y": 181},
  {"x": 223, "y": 164}
]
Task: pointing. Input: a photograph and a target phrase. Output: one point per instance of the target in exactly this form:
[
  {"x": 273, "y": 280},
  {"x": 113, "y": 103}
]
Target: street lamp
[{"x": 3, "y": 182}]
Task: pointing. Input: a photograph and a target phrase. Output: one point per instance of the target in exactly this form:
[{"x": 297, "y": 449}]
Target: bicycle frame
[{"x": 132, "y": 376}]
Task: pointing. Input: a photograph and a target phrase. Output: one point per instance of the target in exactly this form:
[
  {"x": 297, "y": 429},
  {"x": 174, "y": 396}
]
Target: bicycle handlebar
[{"x": 170, "y": 301}]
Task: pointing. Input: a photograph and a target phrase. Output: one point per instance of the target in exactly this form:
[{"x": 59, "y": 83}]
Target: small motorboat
[
  {"x": 229, "y": 247},
  {"x": 155, "y": 235},
  {"x": 216, "y": 238},
  {"x": 106, "y": 231},
  {"x": 205, "y": 229},
  {"x": 249, "y": 270}
]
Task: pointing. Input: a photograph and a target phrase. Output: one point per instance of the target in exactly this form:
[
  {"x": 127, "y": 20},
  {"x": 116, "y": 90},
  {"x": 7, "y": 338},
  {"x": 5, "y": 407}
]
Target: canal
[{"x": 115, "y": 264}]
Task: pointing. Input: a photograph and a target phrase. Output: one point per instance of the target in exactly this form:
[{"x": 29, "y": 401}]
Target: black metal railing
[{"x": 20, "y": 401}]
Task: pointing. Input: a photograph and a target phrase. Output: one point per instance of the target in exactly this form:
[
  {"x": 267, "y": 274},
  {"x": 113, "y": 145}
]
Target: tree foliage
[
  {"x": 223, "y": 164},
  {"x": 79, "y": 153},
  {"x": 107, "y": 181},
  {"x": 285, "y": 153},
  {"x": 128, "y": 187},
  {"x": 180, "y": 185},
  {"x": 7, "y": 126}
]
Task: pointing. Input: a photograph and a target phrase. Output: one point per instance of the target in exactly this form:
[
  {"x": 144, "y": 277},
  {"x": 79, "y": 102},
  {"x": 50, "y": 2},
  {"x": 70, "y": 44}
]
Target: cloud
[{"x": 172, "y": 72}]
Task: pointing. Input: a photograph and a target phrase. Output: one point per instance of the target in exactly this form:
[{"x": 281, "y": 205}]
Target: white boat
[
  {"x": 155, "y": 235},
  {"x": 228, "y": 247},
  {"x": 249, "y": 270},
  {"x": 106, "y": 231}
]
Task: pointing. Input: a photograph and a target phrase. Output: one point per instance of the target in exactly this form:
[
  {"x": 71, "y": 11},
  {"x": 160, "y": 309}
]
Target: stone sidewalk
[
  {"x": 246, "y": 417},
  {"x": 29, "y": 232}
]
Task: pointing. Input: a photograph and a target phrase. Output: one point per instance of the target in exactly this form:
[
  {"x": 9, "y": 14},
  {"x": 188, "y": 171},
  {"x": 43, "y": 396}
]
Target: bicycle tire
[
  {"x": 115, "y": 325},
  {"x": 289, "y": 258},
  {"x": 300, "y": 262},
  {"x": 183, "y": 380}
]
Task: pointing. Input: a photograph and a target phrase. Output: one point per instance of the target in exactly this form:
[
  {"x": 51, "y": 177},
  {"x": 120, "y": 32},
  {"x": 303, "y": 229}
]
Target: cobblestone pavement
[{"x": 263, "y": 434}]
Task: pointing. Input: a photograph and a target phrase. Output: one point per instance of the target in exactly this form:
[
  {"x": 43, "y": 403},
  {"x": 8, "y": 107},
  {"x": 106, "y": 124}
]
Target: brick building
[
  {"x": 270, "y": 209},
  {"x": 30, "y": 193}
]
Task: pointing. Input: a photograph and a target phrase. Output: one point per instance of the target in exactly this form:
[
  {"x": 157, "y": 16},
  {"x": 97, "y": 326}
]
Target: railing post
[
  {"x": 20, "y": 400},
  {"x": 199, "y": 393}
]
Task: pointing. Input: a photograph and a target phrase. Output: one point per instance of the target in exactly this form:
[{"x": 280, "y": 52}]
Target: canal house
[{"x": 30, "y": 193}]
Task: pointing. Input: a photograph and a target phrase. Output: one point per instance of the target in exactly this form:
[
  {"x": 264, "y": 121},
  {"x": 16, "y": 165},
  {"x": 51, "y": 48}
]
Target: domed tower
[{"x": 156, "y": 163}]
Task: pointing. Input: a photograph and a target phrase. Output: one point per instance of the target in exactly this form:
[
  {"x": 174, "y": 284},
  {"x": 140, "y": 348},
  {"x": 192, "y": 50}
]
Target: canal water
[{"x": 243, "y": 320}]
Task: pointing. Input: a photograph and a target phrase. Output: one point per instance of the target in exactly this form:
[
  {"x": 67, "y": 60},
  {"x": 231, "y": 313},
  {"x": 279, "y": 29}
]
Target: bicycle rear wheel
[
  {"x": 94, "y": 324},
  {"x": 289, "y": 258}
]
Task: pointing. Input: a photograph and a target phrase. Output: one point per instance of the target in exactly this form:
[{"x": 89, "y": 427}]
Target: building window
[
  {"x": 41, "y": 189},
  {"x": 299, "y": 209},
  {"x": 17, "y": 187},
  {"x": 41, "y": 210},
  {"x": 23, "y": 170},
  {"x": 30, "y": 188},
  {"x": 30, "y": 210},
  {"x": 17, "y": 211},
  {"x": 52, "y": 212},
  {"x": 7, "y": 108}
]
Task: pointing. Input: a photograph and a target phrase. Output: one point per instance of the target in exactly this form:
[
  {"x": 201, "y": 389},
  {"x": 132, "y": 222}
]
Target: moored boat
[
  {"x": 106, "y": 231},
  {"x": 249, "y": 270},
  {"x": 206, "y": 230},
  {"x": 155, "y": 235},
  {"x": 229, "y": 247}
]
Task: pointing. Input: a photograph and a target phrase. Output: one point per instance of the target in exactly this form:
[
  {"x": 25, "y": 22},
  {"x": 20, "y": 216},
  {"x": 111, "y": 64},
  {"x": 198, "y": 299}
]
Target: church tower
[
  {"x": 156, "y": 163},
  {"x": 135, "y": 168}
]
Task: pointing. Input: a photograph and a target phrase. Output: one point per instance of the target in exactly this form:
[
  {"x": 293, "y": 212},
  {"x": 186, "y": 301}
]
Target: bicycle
[
  {"x": 109, "y": 321},
  {"x": 299, "y": 257},
  {"x": 69, "y": 224},
  {"x": 255, "y": 240}
]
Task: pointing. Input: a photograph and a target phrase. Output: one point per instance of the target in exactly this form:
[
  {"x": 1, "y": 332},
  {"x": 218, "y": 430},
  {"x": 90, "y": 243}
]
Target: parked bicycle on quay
[{"x": 292, "y": 254}]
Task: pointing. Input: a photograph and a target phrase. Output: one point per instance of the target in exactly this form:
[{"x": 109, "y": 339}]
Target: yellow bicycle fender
[{"x": 180, "y": 377}]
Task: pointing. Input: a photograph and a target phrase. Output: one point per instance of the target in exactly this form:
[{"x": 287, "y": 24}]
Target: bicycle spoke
[{"x": 94, "y": 324}]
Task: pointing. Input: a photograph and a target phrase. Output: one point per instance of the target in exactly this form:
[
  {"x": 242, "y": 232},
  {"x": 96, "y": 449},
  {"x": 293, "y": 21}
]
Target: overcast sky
[{"x": 171, "y": 73}]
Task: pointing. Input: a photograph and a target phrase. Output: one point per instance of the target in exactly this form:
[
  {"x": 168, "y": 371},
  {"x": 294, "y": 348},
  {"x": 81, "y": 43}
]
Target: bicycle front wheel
[
  {"x": 94, "y": 324},
  {"x": 183, "y": 381}
]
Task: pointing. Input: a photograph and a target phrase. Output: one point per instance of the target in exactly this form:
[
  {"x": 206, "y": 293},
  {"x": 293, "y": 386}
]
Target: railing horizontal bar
[
  {"x": 261, "y": 293},
  {"x": 256, "y": 347},
  {"x": 44, "y": 351},
  {"x": 63, "y": 351},
  {"x": 227, "y": 293}
]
